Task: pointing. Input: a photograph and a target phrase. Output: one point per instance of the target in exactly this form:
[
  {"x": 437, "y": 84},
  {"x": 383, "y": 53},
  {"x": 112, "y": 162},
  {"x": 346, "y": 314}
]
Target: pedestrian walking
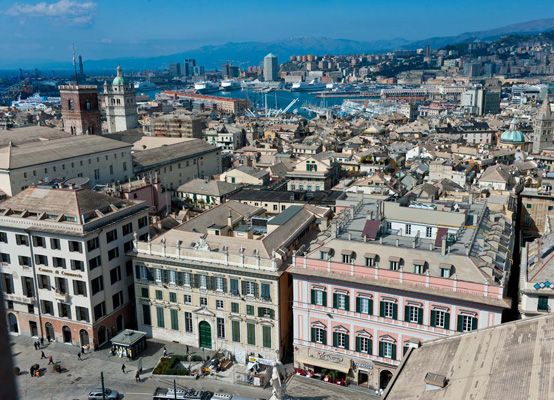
[
  {"x": 123, "y": 368},
  {"x": 79, "y": 356},
  {"x": 42, "y": 355},
  {"x": 41, "y": 341},
  {"x": 35, "y": 345},
  {"x": 137, "y": 376},
  {"x": 50, "y": 360},
  {"x": 165, "y": 351}
]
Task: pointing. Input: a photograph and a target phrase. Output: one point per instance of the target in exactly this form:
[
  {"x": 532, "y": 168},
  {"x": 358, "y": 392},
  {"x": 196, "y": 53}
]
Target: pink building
[
  {"x": 149, "y": 191},
  {"x": 384, "y": 276}
]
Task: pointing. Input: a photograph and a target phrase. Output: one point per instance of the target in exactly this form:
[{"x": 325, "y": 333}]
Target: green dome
[
  {"x": 118, "y": 80},
  {"x": 512, "y": 135}
]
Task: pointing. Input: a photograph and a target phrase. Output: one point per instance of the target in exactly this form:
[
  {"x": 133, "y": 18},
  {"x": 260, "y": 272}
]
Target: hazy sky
[{"x": 45, "y": 30}]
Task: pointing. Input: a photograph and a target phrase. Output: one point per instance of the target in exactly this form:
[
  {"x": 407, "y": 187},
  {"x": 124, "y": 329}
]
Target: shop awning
[{"x": 343, "y": 367}]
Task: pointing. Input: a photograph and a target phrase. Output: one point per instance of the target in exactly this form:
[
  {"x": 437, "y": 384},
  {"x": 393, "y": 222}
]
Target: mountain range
[{"x": 252, "y": 53}]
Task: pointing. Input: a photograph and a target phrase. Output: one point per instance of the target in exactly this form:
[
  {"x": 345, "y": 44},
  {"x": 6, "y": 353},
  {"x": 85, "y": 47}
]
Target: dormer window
[
  {"x": 419, "y": 266},
  {"x": 446, "y": 270},
  {"x": 348, "y": 256}
]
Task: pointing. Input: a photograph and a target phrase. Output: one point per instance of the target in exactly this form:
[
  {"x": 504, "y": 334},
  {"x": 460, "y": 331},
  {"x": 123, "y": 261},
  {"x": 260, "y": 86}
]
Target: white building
[
  {"x": 120, "y": 104},
  {"x": 271, "y": 68},
  {"x": 97, "y": 158},
  {"x": 64, "y": 265}
]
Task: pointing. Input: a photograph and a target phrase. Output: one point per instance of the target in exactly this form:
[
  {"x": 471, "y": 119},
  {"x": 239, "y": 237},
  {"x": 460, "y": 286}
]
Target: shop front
[
  {"x": 323, "y": 365},
  {"x": 128, "y": 343}
]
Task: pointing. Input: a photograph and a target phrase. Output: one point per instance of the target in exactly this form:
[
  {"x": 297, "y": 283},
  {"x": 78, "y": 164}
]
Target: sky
[{"x": 46, "y": 30}]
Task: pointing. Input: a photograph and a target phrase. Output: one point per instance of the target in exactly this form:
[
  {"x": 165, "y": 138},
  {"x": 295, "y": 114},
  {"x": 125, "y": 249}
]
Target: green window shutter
[
  {"x": 370, "y": 347},
  {"x": 370, "y": 307},
  {"x": 243, "y": 288},
  {"x": 335, "y": 295},
  {"x": 347, "y": 303},
  {"x": 313, "y": 296},
  {"x": 235, "y": 326},
  {"x": 251, "y": 333},
  {"x": 335, "y": 339},
  {"x": 406, "y": 313},
  {"x": 420, "y": 316},
  {"x": 358, "y": 343},
  {"x": 358, "y": 306},
  {"x": 160, "y": 315},
  {"x": 256, "y": 290},
  {"x": 266, "y": 336},
  {"x": 347, "y": 342},
  {"x": 174, "y": 320},
  {"x": 460, "y": 323},
  {"x": 395, "y": 311},
  {"x": 324, "y": 299},
  {"x": 446, "y": 321},
  {"x": 382, "y": 309},
  {"x": 381, "y": 351},
  {"x": 313, "y": 335},
  {"x": 433, "y": 317},
  {"x": 324, "y": 341},
  {"x": 473, "y": 324},
  {"x": 393, "y": 352}
]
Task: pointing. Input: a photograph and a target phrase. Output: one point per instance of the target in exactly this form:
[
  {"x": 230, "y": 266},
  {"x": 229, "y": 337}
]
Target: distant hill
[{"x": 252, "y": 53}]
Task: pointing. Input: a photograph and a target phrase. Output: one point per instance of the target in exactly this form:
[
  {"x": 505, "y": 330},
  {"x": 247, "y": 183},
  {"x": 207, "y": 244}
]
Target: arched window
[{"x": 88, "y": 105}]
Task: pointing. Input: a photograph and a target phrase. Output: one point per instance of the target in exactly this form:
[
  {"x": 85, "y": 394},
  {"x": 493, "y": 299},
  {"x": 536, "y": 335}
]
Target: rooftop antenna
[{"x": 75, "y": 65}]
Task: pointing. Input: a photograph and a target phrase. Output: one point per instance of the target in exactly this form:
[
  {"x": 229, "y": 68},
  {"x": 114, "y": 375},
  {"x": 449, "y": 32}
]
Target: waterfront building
[
  {"x": 99, "y": 159},
  {"x": 384, "y": 276},
  {"x": 218, "y": 281},
  {"x": 65, "y": 271},
  {"x": 120, "y": 104},
  {"x": 271, "y": 68},
  {"x": 80, "y": 109}
]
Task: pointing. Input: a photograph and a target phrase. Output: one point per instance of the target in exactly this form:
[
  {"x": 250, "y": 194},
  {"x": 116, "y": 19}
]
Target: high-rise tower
[
  {"x": 80, "y": 109},
  {"x": 271, "y": 68},
  {"x": 543, "y": 131},
  {"x": 120, "y": 104}
]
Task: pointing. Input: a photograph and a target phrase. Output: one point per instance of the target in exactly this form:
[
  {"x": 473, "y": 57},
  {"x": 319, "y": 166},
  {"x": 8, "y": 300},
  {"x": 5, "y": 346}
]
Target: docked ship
[
  {"x": 144, "y": 85},
  {"x": 228, "y": 85},
  {"x": 35, "y": 102},
  {"x": 206, "y": 87},
  {"x": 313, "y": 86}
]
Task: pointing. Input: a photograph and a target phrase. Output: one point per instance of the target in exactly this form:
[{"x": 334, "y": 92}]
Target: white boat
[
  {"x": 35, "y": 102},
  {"x": 206, "y": 87},
  {"x": 144, "y": 85},
  {"x": 312, "y": 86},
  {"x": 228, "y": 85}
]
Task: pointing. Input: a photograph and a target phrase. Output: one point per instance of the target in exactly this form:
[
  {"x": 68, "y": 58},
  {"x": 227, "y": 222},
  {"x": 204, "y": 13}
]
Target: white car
[{"x": 96, "y": 394}]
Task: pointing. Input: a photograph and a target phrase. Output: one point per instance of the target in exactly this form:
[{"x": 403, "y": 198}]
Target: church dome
[
  {"x": 118, "y": 80},
  {"x": 512, "y": 135}
]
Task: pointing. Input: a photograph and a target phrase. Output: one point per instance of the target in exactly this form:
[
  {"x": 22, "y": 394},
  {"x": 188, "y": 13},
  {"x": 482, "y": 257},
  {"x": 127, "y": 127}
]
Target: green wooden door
[{"x": 205, "y": 332}]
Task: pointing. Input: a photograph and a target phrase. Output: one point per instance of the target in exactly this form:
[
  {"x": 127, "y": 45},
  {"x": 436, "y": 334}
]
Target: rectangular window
[
  {"x": 94, "y": 262},
  {"x": 340, "y": 340},
  {"x": 173, "y": 297},
  {"x": 542, "y": 303},
  {"x": 81, "y": 313},
  {"x": 363, "y": 345},
  {"x": 266, "y": 336},
  {"x": 387, "y": 350},
  {"x": 117, "y": 299},
  {"x": 113, "y": 253},
  {"x": 319, "y": 335},
  {"x": 111, "y": 236},
  {"x": 127, "y": 228},
  {"x": 394, "y": 265},
  {"x": 127, "y": 246},
  {"x": 79, "y": 288},
  {"x": 144, "y": 292},
  {"x": 251, "y": 333},
  {"x": 364, "y": 305},
  {"x": 219, "y": 283},
  {"x": 22, "y": 240},
  {"x": 188, "y": 299},
  {"x": 24, "y": 261},
  {"x": 203, "y": 301},
  {"x": 188, "y": 322},
  {"x": 266, "y": 291},
  {"x": 440, "y": 319},
  {"x": 346, "y": 258},
  {"x": 466, "y": 323},
  {"x": 75, "y": 246},
  {"x": 264, "y": 312},
  {"x": 370, "y": 261},
  {"x": 47, "y": 307},
  {"x": 97, "y": 285},
  {"x": 3, "y": 237},
  {"x": 408, "y": 229},
  {"x": 234, "y": 287},
  {"x": 341, "y": 301},
  {"x": 249, "y": 309},
  {"x": 249, "y": 288},
  {"x": 221, "y": 328},
  {"x": 428, "y": 231},
  {"x": 160, "y": 317},
  {"x": 319, "y": 297},
  {"x": 5, "y": 258},
  {"x": 146, "y": 318},
  {"x": 388, "y": 309},
  {"x": 418, "y": 269},
  {"x": 234, "y": 307},
  {"x": 39, "y": 241},
  {"x": 174, "y": 319},
  {"x": 202, "y": 281},
  {"x": 186, "y": 278},
  {"x": 99, "y": 311},
  {"x": 142, "y": 222},
  {"x": 159, "y": 295},
  {"x": 219, "y": 304},
  {"x": 77, "y": 265},
  {"x": 58, "y": 262},
  {"x": 115, "y": 275},
  {"x": 40, "y": 259},
  {"x": 93, "y": 244},
  {"x": 235, "y": 328},
  {"x": 445, "y": 272},
  {"x": 413, "y": 314}
]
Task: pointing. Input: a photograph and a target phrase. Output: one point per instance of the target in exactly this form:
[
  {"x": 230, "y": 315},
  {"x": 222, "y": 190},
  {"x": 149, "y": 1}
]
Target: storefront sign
[
  {"x": 327, "y": 357},
  {"x": 362, "y": 365},
  {"x": 262, "y": 361}
]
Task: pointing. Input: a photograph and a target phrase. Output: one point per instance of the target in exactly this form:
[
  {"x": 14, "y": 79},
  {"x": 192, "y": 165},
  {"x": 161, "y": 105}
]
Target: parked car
[{"x": 96, "y": 394}]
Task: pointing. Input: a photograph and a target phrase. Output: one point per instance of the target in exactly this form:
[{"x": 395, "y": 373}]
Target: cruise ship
[
  {"x": 144, "y": 85},
  {"x": 206, "y": 87},
  {"x": 228, "y": 85},
  {"x": 313, "y": 86},
  {"x": 35, "y": 102}
]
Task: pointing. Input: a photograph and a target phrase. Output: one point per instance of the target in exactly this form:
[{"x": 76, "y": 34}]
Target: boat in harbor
[
  {"x": 313, "y": 86},
  {"x": 35, "y": 102},
  {"x": 144, "y": 85},
  {"x": 228, "y": 85},
  {"x": 206, "y": 87}
]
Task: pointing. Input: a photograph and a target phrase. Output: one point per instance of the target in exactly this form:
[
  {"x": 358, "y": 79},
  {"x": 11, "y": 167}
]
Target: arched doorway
[
  {"x": 49, "y": 331},
  {"x": 205, "y": 333},
  {"x": 66, "y": 334},
  {"x": 83, "y": 337},
  {"x": 101, "y": 335},
  {"x": 384, "y": 378},
  {"x": 119, "y": 323},
  {"x": 12, "y": 323}
]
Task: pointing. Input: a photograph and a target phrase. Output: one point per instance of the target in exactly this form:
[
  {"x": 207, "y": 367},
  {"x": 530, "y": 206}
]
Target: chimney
[
  {"x": 230, "y": 221},
  {"x": 443, "y": 246}
]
